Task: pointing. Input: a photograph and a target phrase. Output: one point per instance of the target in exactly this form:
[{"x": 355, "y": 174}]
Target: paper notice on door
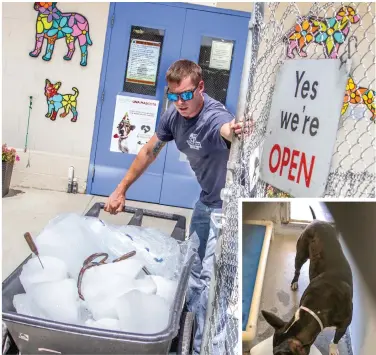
[
  {"x": 221, "y": 55},
  {"x": 134, "y": 123},
  {"x": 143, "y": 62}
]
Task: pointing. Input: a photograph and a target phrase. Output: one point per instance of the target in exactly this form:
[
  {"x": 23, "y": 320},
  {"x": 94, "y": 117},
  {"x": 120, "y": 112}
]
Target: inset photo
[{"x": 308, "y": 277}]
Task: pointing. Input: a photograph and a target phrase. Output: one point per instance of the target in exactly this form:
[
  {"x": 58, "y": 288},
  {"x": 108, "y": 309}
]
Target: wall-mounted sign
[
  {"x": 302, "y": 126},
  {"x": 221, "y": 55},
  {"x": 143, "y": 62},
  {"x": 134, "y": 123}
]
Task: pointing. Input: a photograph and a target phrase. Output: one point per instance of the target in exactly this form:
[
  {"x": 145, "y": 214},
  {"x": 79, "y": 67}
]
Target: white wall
[
  {"x": 277, "y": 212},
  {"x": 54, "y": 146},
  {"x": 363, "y": 325}
]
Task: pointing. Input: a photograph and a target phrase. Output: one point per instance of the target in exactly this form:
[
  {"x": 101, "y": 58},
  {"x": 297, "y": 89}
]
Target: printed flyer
[{"x": 134, "y": 123}]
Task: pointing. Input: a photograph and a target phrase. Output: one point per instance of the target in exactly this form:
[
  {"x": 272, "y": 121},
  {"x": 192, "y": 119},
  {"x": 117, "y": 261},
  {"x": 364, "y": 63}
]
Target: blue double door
[{"x": 216, "y": 39}]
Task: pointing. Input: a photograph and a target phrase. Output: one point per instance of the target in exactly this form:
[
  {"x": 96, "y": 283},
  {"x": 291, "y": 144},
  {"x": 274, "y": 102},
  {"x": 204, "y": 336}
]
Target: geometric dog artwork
[
  {"x": 52, "y": 24},
  {"x": 56, "y": 101},
  {"x": 329, "y": 32},
  {"x": 357, "y": 95}
]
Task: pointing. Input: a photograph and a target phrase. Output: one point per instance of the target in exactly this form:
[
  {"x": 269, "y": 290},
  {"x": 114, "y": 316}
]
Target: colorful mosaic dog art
[
  {"x": 329, "y": 32},
  {"x": 358, "y": 95},
  {"x": 56, "y": 101},
  {"x": 52, "y": 24}
]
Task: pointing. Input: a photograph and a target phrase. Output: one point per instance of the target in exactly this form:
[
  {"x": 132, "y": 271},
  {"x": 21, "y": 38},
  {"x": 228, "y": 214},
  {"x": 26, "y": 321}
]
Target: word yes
[{"x": 306, "y": 87}]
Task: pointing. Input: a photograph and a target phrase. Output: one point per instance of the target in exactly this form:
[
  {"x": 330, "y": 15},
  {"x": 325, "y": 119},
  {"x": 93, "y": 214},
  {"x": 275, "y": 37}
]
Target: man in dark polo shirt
[{"x": 202, "y": 129}]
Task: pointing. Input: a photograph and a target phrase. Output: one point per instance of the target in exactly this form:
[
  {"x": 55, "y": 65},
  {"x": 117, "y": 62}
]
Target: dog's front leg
[
  {"x": 333, "y": 349},
  {"x": 50, "y": 48},
  {"x": 50, "y": 109},
  {"x": 333, "y": 346},
  {"x": 300, "y": 258}
]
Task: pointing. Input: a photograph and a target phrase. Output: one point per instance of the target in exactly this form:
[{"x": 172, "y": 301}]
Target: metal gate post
[{"x": 249, "y": 63}]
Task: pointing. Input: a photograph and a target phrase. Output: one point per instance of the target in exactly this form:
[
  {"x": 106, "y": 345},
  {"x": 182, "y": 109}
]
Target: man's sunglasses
[{"x": 185, "y": 96}]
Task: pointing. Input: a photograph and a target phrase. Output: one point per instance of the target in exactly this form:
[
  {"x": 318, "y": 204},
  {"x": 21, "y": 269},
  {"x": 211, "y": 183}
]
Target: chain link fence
[
  {"x": 318, "y": 31},
  {"x": 282, "y": 31}
]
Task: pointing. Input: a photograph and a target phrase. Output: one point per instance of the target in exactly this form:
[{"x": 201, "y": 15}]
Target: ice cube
[
  {"x": 83, "y": 312},
  {"x": 130, "y": 267},
  {"x": 165, "y": 288},
  {"x": 33, "y": 273},
  {"x": 102, "y": 308},
  {"x": 68, "y": 238},
  {"x": 24, "y": 305},
  {"x": 58, "y": 300},
  {"x": 161, "y": 253},
  {"x": 142, "y": 313},
  {"x": 110, "y": 280},
  {"x": 146, "y": 285},
  {"x": 109, "y": 237},
  {"x": 104, "y": 323}
]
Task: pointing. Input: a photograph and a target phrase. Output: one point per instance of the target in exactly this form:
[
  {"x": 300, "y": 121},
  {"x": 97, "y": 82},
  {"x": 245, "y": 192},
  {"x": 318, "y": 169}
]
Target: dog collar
[
  {"x": 314, "y": 315},
  {"x": 297, "y": 317}
]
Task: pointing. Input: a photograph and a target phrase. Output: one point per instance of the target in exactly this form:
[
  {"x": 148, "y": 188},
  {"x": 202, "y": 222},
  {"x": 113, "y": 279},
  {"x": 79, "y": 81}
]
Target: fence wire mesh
[
  {"x": 316, "y": 31},
  {"x": 282, "y": 31}
]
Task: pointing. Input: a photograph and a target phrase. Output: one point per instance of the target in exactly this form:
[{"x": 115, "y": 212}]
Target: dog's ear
[
  {"x": 273, "y": 320},
  {"x": 57, "y": 85},
  {"x": 48, "y": 82},
  {"x": 133, "y": 127}
]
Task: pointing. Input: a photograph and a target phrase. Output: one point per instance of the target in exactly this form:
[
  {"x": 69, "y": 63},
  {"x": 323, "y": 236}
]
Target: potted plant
[{"x": 9, "y": 157}]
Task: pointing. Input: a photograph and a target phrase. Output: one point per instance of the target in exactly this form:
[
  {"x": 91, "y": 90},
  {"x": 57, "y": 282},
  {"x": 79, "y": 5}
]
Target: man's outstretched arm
[
  {"x": 230, "y": 128},
  {"x": 144, "y": 158}
]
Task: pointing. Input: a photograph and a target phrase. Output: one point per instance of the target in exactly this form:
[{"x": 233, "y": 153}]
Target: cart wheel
[{"x": 186, "y": 335}]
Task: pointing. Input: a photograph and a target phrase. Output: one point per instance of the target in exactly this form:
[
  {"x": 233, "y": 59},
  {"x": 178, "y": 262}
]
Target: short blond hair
[{"x": 182, "y": 69}]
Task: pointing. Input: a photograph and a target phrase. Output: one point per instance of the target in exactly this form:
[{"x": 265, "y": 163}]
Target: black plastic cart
[{"x": 31, "y": 335}]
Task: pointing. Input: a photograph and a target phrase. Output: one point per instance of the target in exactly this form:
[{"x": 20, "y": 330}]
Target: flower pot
[{"x": 7, "y": 175}]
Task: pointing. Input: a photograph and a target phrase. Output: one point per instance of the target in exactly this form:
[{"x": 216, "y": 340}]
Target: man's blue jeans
[
  {"x": 199, "y": 282},
  {"x": 200, "y": 223}
]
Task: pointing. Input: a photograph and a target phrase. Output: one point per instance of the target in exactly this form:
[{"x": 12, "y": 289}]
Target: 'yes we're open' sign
[{"x": 302, "y": 126}]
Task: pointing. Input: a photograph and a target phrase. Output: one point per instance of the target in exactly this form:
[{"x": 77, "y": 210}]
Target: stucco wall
[
  {"x": 54, "y": 146},
  {"x": 239, "y": 6}
]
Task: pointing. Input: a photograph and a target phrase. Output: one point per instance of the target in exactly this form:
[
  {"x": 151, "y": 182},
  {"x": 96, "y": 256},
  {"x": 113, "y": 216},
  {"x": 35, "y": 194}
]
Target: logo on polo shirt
[{"x": 193, "y": 144}]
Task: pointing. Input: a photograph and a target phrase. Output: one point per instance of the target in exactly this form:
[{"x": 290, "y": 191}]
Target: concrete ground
[
  {"x": 278, "y": 298},
  {"x": 29, "y": 210}
]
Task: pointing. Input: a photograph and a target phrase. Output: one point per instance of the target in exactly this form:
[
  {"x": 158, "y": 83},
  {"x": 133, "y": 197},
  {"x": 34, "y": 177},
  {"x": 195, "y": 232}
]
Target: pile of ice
[{"x": 118, "y": 296}]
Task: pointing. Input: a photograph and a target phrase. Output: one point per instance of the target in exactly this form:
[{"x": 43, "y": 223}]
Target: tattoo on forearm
[{"x": 158, "y": 147}]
